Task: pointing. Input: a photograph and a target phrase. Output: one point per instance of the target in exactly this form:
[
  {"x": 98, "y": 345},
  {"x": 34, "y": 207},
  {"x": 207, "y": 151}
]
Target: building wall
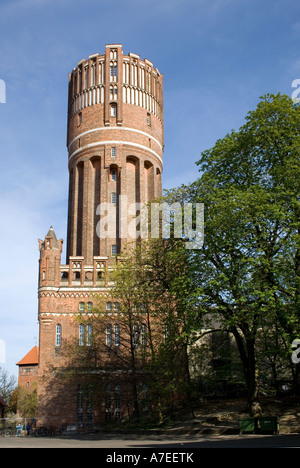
[{"x": 28, "y": 375}]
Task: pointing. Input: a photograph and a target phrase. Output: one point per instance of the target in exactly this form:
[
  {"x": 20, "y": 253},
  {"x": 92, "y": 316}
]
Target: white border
[
  {"x": 115, "y": 128},
  {"x": 113, "y": 142}
]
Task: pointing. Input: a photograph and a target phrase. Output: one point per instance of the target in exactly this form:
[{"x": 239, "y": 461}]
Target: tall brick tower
[{"x": 115, "y": 144}]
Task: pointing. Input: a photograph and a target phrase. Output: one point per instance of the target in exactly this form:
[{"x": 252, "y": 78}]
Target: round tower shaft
[{"x": 115, "y": 144}]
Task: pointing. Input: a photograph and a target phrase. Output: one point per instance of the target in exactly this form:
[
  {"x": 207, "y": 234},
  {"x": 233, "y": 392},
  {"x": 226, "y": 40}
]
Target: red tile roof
[{"x": 31, "y": 358}]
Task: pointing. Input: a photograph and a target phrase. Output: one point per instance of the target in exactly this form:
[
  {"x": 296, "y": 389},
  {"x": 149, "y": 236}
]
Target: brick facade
[{"x": 115, "y": 143}]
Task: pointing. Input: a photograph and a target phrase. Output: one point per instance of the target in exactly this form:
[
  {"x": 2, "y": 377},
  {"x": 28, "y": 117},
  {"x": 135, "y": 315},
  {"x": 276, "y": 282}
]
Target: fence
[{"x": 14, "y": 426}]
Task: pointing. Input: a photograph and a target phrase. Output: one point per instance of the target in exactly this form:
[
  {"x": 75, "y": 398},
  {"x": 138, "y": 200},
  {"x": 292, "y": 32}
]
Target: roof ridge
[{"x": 32, "y": 357}]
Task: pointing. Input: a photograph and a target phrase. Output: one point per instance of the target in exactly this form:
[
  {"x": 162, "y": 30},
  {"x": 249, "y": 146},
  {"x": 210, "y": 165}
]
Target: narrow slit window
[
  {"x": 114, "y": 198},
  {"x": 81, "y": 335},
  {"x": 58, "y": 335},
  {"x": 113, "y": 110},
  {"x": 89, "y": 332}
]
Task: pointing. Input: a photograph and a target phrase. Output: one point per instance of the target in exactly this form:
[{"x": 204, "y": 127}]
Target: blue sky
[{"x": 217, "y": 56}]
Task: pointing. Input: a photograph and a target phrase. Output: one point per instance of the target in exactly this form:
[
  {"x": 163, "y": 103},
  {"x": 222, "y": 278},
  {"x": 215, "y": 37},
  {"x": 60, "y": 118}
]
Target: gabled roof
[{"x": 31, "y": 358}]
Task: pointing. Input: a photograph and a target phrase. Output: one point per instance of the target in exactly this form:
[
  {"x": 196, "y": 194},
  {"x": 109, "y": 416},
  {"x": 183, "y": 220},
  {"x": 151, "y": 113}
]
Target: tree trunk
[{"x": 246, "y": 347}]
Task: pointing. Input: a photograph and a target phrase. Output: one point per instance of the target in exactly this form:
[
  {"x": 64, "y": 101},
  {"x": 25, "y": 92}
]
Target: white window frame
[{"x": 58, "y": 335}]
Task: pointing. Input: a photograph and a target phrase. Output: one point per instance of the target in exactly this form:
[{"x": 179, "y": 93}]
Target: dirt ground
[{"x": 223, "y": 416}]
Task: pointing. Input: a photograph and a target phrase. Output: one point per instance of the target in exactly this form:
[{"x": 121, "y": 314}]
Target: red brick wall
[{"x": 139, "y": 147}]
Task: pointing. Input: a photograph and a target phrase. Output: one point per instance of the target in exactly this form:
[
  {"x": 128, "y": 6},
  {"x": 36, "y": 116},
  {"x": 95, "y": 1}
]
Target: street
[{"x": 154, "y": 444}]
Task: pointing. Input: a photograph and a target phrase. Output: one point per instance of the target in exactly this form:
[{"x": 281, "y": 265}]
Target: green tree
[
  {"x": 156, "y": 327},
  {"x": 27, "y": 401},
  {"x": 7, "y": 387},
  {"x": 248, "y": 271}
]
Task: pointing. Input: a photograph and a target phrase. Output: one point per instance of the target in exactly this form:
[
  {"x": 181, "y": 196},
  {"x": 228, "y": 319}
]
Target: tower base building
[{"x": 115, "y": 141}]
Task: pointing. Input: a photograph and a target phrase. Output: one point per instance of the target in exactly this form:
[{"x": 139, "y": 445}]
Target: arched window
[
  {"x": 114, "y": 198},
  {"x": 117, "y": 335},
  {"x": 113, "y": 93},
  {"x": 113, "y": 110},
  {"x": 144, "y": 335},
  {"x": 58, "y": 335},
  {"x": 135, "y": 335},
  {"x": 113, "y": 174},
  {"x": 79, "y": 404},
  {"x": 108, "y": 335},
  {"x": 89, "y": 333},
  {"x": 81, "y": 335},
  {"x": 113, "y": 71}
]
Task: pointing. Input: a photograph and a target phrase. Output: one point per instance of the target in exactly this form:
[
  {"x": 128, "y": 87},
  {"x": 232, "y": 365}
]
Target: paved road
[{"x": 155, "y": 443}]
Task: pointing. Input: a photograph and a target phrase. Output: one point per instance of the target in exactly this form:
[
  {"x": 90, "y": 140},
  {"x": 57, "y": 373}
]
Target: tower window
[
  {"x": 79, "y": 118},
  {"x": 113, "y": 93},
  {"x": 113, "y": 152},
  {"x": 136, "y": 335},
  {"x": 113, "y": 71},
  {"x": 148, "y": 119},
  {"x": 113, "y": 110},
  {"x": 113, "y": 174},
  {"x": 114, "y": 198},
  {"x": 58, "y": 335},
  {"x": 114, "y": 249},
  {"x": 144, "y": 335},
  {"x": 117, "y": 402}
]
